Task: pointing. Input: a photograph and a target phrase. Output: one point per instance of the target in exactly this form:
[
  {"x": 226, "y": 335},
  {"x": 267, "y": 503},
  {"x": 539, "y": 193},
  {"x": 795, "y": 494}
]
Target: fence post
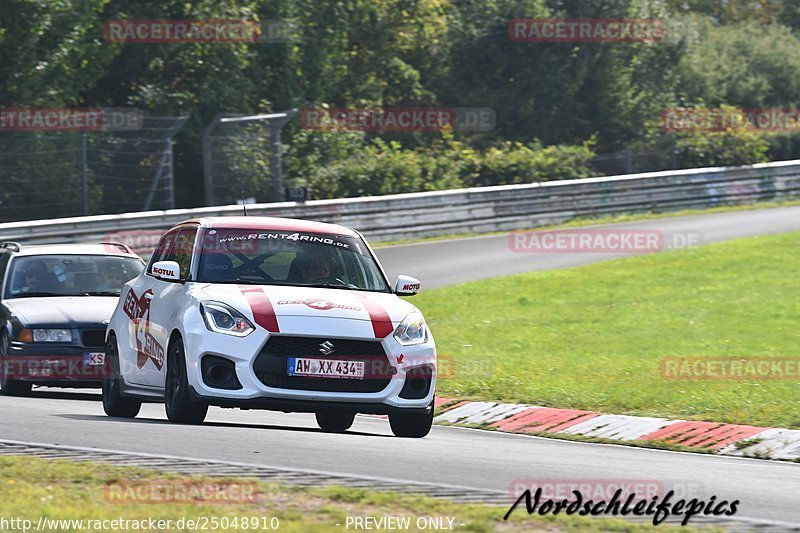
[
  {"x": 207, "y": 181},
  {"x": 628, "y": 161},
  {"x": 276, "y": 168},
  {"x": 165, "y": 162},
  {"x": 84, "y": 175},
  {"x": 276, "y": 165},
  {"x": 170, "y": 174}
]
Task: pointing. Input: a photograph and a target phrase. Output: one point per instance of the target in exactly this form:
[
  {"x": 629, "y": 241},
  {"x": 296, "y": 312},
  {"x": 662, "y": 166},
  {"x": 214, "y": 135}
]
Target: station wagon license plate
[
  {"x": 326, "y": 368},
  {"x": 94, "y": 358}
]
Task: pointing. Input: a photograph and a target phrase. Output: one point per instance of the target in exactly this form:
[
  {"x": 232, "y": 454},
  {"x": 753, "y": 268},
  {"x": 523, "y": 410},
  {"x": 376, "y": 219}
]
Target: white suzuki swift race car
[{"x": 270, "y": 313}]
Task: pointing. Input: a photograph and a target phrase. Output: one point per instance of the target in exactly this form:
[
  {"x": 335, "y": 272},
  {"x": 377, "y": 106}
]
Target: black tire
[
  {"x": 335, "y": 421},
  {"x": 411, "y": 425},
  {"x": 180, "y": 409},
  {"x": 8, "y": 386},
  {"x": 114, "y": 404}
]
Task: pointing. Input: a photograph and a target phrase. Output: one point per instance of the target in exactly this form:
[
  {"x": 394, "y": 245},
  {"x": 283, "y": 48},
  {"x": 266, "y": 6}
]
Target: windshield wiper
[
  {"x": 328, "y": 286},
  {"x": 101, "y": 293},
  {"x": 35, "y": 294}
]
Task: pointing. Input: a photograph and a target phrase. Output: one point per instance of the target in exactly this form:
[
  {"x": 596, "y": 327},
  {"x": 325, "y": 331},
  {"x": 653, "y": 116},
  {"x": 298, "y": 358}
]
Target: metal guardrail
[{"x": 476, "y": 210}]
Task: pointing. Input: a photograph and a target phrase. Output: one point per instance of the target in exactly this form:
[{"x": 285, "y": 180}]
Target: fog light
[{"x": 219, "y": 373}]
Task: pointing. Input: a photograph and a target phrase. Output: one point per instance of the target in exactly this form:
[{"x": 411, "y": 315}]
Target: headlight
[
  {"x": 411, "y": 330},
  {"x": 52, "y": 335},
  {"x": 222, "y": 318}
]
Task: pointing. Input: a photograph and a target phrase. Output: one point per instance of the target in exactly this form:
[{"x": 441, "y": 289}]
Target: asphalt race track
[
  {"x": 453, "y": 456},
  {"x": 458, "y": 261}
]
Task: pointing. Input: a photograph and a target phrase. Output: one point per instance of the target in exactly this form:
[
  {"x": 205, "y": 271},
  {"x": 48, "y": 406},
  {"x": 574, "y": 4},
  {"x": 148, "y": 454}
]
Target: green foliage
[
  {"x": 555, "y": 103},
  {"x": 747, "y": 65},
  {"x": 727, "y": 148},
  {"x": 52, "y": 51},
  {"x": 339, "y": 164},
  {"x": 511, "y": 162}
]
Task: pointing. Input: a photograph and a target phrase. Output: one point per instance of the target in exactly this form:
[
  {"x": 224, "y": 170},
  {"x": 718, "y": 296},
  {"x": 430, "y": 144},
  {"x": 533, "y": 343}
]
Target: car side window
[
  {"x": 163, "y": 249},
  {"x": 182, "y": 251}
]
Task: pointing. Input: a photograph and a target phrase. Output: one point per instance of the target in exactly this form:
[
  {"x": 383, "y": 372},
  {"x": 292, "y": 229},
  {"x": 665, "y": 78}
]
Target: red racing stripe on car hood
[
  {"x": 263, "y": 312},
  {"x": 381, "y": 323}
]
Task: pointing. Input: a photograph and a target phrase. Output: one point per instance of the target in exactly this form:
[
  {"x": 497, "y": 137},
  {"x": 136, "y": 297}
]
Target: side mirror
[
  {"x": 406, "y": 286},
  {"x": 166, "y": 270}
]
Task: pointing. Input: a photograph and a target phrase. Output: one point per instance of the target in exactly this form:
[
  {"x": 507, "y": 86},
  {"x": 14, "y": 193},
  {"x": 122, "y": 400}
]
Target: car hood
[
  {"x": 303, "y": 309},
  {"x": 74, "y": 311}
]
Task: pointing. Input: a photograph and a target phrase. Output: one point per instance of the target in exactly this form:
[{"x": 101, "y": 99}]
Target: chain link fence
[
  {"x": 631, "y": 162},
  {"x": 48, "y": 174},
  {"x": 61, "y": 174},
  {"x": 242, "y": 158}
]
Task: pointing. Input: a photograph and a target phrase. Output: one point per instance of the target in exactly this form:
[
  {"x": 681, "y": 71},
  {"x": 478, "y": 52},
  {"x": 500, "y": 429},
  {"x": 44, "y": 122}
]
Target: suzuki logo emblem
[{"x": 326, "y": 347}]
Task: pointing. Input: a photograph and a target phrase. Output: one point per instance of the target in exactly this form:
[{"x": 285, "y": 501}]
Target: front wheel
[
  {"x": 9, "y": 386},
  {"x": 412, "y": 425},
  {"x": 335, "y": 421},
  {"x": 114, "y": 404},
  {"x": 180, "y": 409}
]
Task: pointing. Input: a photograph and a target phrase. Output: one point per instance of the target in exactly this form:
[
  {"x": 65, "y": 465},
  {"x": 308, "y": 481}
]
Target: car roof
[
  {"x": 74, "y": 249},
  {"x": 273, "y": 224}
]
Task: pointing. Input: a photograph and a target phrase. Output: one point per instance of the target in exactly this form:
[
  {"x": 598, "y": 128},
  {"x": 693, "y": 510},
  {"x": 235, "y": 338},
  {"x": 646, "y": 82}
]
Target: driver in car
[
  {"x": 34, "y": 277},
  {"x": 113, "y": 278},
  {"x": 316, "y": 268}
]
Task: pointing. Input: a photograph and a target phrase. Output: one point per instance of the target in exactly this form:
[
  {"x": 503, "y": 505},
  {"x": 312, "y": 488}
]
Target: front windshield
[
  {"x": 265, "y": 257},
  {"x": 70, "y": 275}
]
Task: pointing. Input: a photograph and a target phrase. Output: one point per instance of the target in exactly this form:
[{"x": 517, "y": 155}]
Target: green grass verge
[
  {"x": 592, "y": 337},
  {"x": 63, "y": 490},
  {"x": 599, "y": 220}
]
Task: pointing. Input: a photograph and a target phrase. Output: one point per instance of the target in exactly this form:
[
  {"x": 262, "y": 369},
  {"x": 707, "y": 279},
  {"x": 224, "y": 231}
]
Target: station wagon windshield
[{"x": 70, "y": 275}]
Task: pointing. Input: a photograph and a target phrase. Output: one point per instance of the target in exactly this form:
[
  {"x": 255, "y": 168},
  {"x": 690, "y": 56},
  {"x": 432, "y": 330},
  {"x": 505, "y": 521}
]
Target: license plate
[
  {"x": 40, "y": 372},
  {"x": 326, "y": 368},
  {"x": 94, "y": 358}
]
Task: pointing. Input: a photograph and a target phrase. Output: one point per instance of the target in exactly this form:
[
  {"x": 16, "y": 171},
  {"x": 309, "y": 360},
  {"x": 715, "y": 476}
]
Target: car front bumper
[
  {"x": 255, "y": 394},
  {"x": 56, "y": 364}
]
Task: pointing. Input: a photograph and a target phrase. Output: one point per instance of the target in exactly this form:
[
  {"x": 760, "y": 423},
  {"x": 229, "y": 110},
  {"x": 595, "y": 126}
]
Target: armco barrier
[{"x": 476, "y": 210}]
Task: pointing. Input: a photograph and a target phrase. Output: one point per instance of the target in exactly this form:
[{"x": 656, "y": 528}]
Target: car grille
[
  {"x": 93, "y": 338},
  {"x": 271, "y": 364}
]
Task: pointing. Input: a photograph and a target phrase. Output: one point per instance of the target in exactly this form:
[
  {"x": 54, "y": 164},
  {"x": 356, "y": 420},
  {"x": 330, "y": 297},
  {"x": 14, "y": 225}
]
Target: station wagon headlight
[
  {"x": 52, "y": 335},
  {"x": 412, "y": 330},
  {"x": 221, "y": 318}
]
